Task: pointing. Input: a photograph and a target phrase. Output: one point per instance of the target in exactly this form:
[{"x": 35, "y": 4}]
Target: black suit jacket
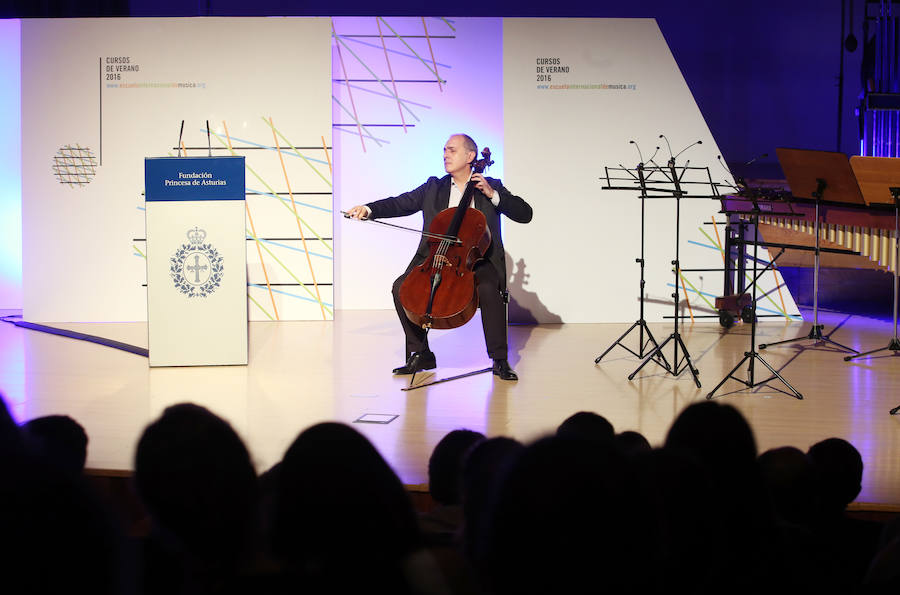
[{"x": 433, "y": 196}]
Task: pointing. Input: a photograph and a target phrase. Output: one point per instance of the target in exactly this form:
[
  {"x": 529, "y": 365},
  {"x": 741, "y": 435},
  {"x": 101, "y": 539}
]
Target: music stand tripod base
[
  {"x": 893, "y": 345},
  {"x": 804, "y": 170},
  {"x": 815, "y": 334},
  {"x": 752, "y": 356},
  {"x": 750, "y": 383},
  {"x": 674, "y": 371},
  {"x": 640, "y": 354}
]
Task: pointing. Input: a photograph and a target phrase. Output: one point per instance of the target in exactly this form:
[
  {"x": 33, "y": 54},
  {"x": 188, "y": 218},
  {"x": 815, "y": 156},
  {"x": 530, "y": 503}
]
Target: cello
[{"x": 441, "y": 292}]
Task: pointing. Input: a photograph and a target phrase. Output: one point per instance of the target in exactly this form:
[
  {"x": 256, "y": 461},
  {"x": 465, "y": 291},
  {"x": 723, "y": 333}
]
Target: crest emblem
[{"x": 196, "y": 268}]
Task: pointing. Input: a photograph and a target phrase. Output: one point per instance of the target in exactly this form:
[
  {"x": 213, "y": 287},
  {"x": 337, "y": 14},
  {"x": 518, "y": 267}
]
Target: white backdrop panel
[
  {"x": 115, "y": 91},
  {"x": 612, "y": 81}
]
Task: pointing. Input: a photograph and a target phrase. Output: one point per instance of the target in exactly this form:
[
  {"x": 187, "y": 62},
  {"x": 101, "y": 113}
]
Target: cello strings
[{"x": 441, "y": 251}]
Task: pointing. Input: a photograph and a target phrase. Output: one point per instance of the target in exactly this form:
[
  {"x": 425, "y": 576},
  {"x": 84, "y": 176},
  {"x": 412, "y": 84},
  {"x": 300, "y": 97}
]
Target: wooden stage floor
[{"x": 301, "y": 373}]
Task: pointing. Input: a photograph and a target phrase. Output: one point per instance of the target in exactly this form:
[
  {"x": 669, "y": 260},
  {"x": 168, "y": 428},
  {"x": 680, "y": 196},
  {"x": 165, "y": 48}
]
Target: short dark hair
[
  {"x": 195, "y": 476},
  {"x": 61, "y": 439},
  {"x": 586, "y": 425},
  {"x": 445, "y": 466},
  {"x": 469, "y": 144},
  {"x": 839, "y": 467}
]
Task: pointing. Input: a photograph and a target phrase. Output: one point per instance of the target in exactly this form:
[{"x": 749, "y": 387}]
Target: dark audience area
[{"x": 585, "y": 509}]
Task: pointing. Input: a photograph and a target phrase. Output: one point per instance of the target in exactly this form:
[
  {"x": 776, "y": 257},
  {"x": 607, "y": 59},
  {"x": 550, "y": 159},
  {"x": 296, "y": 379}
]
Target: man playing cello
[{"x": 432, "y": 197}]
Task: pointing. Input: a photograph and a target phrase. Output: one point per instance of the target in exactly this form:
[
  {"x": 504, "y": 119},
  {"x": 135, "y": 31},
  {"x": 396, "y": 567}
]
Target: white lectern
[{"x": 196, "y": 261}]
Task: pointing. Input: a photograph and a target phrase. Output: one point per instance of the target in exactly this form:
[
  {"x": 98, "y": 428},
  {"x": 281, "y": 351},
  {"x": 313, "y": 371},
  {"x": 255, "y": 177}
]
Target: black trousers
[{"x": 493, "y": 314}]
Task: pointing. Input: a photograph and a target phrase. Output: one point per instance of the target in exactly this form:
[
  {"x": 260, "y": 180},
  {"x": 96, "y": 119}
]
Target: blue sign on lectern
[{"x": 194, "y": 178}]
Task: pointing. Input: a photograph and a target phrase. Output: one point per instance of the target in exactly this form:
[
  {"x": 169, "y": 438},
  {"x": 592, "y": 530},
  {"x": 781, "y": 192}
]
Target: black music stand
[
  {"x": 674, "y": 178},
  {"x": 879, "y": 181},
  {"x": 756, "y": 206},
  {"x": 809, "y": 174},
  {"x": 640, "y": 323}
]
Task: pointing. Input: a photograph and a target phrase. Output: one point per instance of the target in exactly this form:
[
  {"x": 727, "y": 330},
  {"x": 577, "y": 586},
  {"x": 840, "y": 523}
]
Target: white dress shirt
[{"x": 456, "y": 194}]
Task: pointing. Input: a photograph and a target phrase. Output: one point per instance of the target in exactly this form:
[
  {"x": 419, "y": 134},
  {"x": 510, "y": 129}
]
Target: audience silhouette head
[
  {"x": 586, "y": 425},
  {"x": 446, "y": 462},
  {"x": 60, "y": 439},
  {"x": 196, "y": 479},
  {"x": 839, "y": 468},
  {"x": 340, "y": 506}
]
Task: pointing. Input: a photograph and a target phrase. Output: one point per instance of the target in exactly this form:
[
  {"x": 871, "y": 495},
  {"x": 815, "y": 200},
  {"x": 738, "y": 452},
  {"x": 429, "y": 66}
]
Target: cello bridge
[{"x": 440, "y": 260}]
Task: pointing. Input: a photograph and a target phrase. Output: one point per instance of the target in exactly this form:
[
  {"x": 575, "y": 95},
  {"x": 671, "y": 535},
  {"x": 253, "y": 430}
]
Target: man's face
[{"x": 456, "y": 157}]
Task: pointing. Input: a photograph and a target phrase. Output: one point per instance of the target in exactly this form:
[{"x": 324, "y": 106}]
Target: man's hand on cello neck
[{"x": 482, "y": 184}]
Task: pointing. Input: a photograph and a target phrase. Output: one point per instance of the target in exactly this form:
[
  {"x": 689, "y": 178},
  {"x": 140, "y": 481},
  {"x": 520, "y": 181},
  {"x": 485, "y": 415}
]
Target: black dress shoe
[
  {"x": 502, "y": 369},
  {"x": 420, "y": 360}
]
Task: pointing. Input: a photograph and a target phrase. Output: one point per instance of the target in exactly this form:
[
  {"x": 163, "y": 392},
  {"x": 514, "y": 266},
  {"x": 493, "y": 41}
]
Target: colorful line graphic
[
  {"x": 432, "y": 71},
  {"x": 389, "y": 83},
  {"x": 378, "y": 141},
  {"x": 302, "y": 204},
  {"x": 359, "y": 126},
  {"x": 258, "y": 305},
  {"x": 431, "y": 51},
  {"x": 262, "y": 262},
  {"x": 349, "y": 92},
  {"x": 294, "y": 277},
  {"x": 686, "y": 300},
  {"x": 281, "y": 200},
  {"x": 391, "y": 71},
  {"x": 325, "y": 148},
  {"x": 389, "y": 96},
  {"x": 286, "y": 247},
  {"x": 375, "y": 76},
  {"x": 74, "y": 166},
  {"x": 783, "y": 309},
  {"x": 275, "y": 131},
  {"x": 294, "y": 295},
  {"x": 250, "y": 143},
  {"x": 294, "y": 207},
  {"x": 353, "y": 39},
  {"x": 758, "y": 307}
]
